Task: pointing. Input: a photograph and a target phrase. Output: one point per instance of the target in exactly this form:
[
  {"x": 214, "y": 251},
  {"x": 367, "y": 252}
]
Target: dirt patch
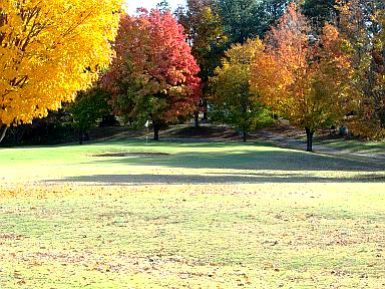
[{"x": 130, "y": 154}]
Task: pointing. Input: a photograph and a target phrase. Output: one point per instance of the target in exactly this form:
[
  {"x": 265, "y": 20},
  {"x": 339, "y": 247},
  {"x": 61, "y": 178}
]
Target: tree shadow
[
  {"x": 276, "y": 160},
  {"x": 257, "y": 178},
  {"x": 251, "y": 167}
]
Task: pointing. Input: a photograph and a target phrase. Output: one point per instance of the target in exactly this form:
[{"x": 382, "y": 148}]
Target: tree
[
  {"x": 269, "y": 11},
  {"x": 207, "y": 39},
  {"x": 303, "y": 78},
  {"x": 49, "y": 50},
  {"x": 239, "y": 19},
  {"x": 363, "y": 23},
  {"x": 245, "y": 19},
  {"x": 89, "y": 106},
  {"x": 154, "y": 75},
  {"x": 233, "y": 101},
  {"x": 320, "y": 11},
  {"x": 163, "y": 6}
]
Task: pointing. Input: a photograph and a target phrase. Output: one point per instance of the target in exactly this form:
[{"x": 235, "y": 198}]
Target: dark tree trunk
[
  {"x": 196, "y": 119},
  {"x": 205, "y": 117},
  {"x": 309, "y": 139},
  {"x": 81, "y": 136},
  {"x": 244, "y": 136},
  {"x": 3, "y": 132},
  {"x": 156, "y": 130}
]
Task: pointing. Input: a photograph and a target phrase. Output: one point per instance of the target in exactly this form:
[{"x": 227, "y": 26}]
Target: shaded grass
[
  {"x": 356, "y": 146},
  {"x": 185, "y": 163}
]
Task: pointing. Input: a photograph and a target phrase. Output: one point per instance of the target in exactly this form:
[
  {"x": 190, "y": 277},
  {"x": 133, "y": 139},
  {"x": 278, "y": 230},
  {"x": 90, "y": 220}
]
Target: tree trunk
[
  {"x": 244, "y": 136},
  {"x": 156, "y": 130},
  {"x": 309, "y": 139},
  {"x": 3, "y": 132},
  {"x": 80, "y": 136},
  {"x": 196, "y": 119},
  {"x": 205, "y": 117}
]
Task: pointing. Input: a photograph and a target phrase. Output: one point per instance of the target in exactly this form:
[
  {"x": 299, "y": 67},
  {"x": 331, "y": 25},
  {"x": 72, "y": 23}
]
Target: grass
[
  {"x": 208, "y": 215},
  {"x": 358, "y": 146}
]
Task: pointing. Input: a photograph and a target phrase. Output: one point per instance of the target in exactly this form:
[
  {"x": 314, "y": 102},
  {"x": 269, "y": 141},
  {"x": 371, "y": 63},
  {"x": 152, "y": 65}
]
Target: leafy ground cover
[{"x": 189, "y": 215}]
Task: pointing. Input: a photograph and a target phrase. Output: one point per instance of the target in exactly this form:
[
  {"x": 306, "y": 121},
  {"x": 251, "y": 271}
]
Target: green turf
[
  {"x": 358, "y": 146},
  {"x": 200, "y": 215}
]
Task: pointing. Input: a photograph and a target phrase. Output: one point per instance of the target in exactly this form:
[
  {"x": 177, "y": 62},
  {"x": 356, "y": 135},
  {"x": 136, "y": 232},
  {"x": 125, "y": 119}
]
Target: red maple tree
[{"x": 154, "y": 75}]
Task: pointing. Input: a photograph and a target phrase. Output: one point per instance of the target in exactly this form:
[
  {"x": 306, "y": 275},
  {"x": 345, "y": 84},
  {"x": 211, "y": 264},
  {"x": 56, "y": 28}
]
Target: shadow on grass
[
  {"x": 276, "y": 160},
  {"x": 257, "y": 178},
  {"x": 268, "y": 166}
]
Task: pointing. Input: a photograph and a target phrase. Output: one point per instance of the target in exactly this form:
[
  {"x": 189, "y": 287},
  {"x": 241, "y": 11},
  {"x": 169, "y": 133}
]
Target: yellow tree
[
  {"x": 233, "y": 102},
  {"x": 362, "y": 23},
  {"x": 304, "y": 77},
  {"x": 49, "y": 50}
]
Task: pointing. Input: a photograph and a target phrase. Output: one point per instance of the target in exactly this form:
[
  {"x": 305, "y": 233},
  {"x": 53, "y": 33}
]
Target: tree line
[{"x": 241, "y": 62}]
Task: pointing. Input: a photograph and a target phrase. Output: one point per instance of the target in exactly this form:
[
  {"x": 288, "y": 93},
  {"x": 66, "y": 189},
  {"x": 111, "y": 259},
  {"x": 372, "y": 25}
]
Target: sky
[{"x": 133, "y": 4}]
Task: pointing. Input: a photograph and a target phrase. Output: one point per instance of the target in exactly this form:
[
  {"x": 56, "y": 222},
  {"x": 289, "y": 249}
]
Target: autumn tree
[
  {"x": 232, "y": 99},
  {"x": 49, "y": 50},
  {"x": 303, "y": 77},
  {"x": 154, "y": 75},
  {"x": 363, "y": 24}
]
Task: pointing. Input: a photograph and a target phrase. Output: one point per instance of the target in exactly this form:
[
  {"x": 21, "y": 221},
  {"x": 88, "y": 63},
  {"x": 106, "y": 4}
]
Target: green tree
[
  {"x": 239, "y": 19},
  {"x": 233, "y": 101},
  {"x": 88, "y": 108},
  {"x": 319, "y": 11},
  {"x": 206, "y": 36},
  {"x": 269, "y": 11},
  {"x": 245, "y": 19}
]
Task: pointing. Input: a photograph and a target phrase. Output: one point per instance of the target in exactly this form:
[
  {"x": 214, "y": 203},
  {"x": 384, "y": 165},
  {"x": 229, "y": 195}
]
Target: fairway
[{"x": 189, "y": 215}]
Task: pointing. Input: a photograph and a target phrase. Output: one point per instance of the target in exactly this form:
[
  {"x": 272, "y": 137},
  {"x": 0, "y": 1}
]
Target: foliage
[
  {"x": 320, "y": 11},
  {"x": 55, "y": 128},
  {"x": 49, "y": 50},
  {"x": 207, "y": 39},
  {"x": 244, "y": 19},
  {"x": 269, "y": 12},
  {"x": 362, "y": 23},
  {"x": 239, "y": 18},
  {"x": 88, "y": 108},
  {"x": 205, "y": 33},
  {"x": 233, "y": 101},
  {"x": 303, "y": 78},
  {"x": 154, "y": 75}
]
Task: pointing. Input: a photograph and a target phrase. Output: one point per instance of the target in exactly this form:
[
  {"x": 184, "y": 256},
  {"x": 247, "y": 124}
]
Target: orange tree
[
  {"x": 49, "y": 50},
  {"x": 154, "y": 75},
  {"x": 303, "y": 76}
]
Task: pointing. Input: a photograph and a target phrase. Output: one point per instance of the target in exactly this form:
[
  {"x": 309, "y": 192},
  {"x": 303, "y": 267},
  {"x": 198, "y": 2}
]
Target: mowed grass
[{"x": 189, "y": 215}]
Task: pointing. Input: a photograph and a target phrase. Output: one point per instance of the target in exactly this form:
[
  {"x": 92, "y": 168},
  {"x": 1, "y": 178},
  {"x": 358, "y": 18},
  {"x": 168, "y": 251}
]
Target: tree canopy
[
  {"x": 49, "y": 50},
  {"x": 303, "y": 78},
  {"x": 232, "y": 99},
  {"x": 154, "y": 75}
]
